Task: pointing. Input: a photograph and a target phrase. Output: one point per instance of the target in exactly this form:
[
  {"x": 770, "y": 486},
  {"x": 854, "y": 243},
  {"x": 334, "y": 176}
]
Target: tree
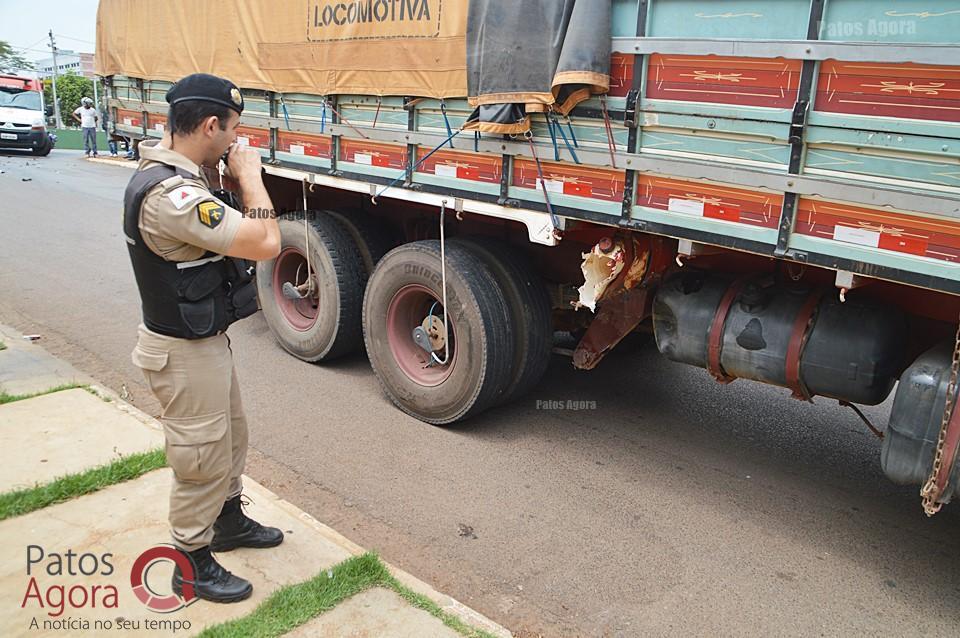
[
  {"x": 71, "y": 88},
  {"x": 11, "y": 61}
]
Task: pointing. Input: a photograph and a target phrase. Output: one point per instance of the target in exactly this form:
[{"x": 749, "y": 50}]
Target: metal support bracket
[
  {"x": 847, "y": 281},
  {"x": 691, "y": 249},
  {"x": 630, "y": 113},
  {"x": 506, "y": 170},
  {"x": 798, "y": 121}
]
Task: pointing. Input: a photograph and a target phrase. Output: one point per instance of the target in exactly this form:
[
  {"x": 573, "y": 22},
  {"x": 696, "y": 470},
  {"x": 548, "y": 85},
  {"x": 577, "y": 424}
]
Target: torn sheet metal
[
  {"x": 600, "y": 267},
  {"x": 627, "y": 298}
]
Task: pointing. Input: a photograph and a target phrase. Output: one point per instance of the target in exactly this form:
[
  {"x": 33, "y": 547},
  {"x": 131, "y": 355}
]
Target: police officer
[{"x": 187, "y": 248}]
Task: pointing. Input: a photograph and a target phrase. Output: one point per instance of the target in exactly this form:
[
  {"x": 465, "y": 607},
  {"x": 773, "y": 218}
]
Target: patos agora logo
[
  {"x": 162, "y": 602},
  {"x": 50, "y": 590}
]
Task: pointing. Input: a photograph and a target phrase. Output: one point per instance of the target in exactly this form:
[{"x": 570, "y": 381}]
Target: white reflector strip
[
  {"x": 859, "y": 236},
  {"x": 685, "y": 206},
  {"x": 553, "y": 185}
]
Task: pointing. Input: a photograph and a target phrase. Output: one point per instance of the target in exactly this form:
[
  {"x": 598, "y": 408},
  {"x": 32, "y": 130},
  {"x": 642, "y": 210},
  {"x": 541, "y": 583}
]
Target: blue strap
[
  {"x": 286, "y": 115},
  {"x": 443, "y": 111},
  {"x": 476, "y": 141},
  {"x": 553, "y": 138},
  {"x": 573, "y": 153},
  {"x": 572, "y": 135},
  {"x": 323, "y": 115},
  {"x": 417, "y": 165}
]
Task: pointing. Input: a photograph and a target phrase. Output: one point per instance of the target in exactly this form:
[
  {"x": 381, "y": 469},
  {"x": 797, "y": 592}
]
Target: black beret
[{"x": 206, "y": 88}]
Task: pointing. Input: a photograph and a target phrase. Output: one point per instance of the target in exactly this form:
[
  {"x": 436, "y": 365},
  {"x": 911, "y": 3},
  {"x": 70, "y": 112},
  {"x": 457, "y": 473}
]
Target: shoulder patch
[
  {"x": 210, "y": 214},
  {"x": 183, "y": 196}
]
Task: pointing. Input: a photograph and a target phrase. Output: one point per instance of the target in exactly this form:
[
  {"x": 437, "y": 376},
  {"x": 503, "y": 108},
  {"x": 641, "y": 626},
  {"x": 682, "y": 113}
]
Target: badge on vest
[{"x": 211, "y": 214}]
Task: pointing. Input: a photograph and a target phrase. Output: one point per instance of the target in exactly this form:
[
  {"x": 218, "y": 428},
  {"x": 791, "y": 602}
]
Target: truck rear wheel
[
  {"x": 371, "y": 239},
  {"x": 320, "y": 320},
  {"x": 475, "y": 355},
  {"x": 529, "y": 306}
]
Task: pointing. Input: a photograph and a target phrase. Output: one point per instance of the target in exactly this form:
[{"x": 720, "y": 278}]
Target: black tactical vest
[{"x": 189, "y": 300}]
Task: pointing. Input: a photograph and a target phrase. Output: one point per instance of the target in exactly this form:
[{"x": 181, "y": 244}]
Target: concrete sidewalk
[{"x": 70, "y": 431}]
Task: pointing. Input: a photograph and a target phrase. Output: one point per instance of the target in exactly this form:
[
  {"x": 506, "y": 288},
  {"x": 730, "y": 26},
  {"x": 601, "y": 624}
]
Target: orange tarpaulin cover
[{"x": 379, "y": 47}]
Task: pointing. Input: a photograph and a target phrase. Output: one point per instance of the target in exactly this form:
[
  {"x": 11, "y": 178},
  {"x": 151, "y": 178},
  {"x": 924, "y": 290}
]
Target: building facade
[{"x": 67, "y": 62}]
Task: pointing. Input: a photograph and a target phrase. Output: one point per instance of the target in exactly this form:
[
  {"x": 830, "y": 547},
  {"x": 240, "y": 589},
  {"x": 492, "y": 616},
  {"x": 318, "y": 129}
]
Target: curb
[{"x": 112, "y": 162}]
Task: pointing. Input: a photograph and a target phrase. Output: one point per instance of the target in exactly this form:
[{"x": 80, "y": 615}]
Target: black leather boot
[
  {"x": 234, "y": 529},
  {"x": 211, "y": 581}
]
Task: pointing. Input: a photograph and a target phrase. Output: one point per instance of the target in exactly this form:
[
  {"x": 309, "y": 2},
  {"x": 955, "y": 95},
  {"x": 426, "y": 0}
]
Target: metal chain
[{"x": 929, "y": 492}]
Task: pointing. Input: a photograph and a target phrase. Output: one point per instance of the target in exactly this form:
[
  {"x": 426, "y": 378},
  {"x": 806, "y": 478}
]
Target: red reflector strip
[
  {"x": 312, "y": 146},
  {"x": 910, "y": 245},
  {"x": 726, "y": 213},
  {"x": 583, "y": 190}
]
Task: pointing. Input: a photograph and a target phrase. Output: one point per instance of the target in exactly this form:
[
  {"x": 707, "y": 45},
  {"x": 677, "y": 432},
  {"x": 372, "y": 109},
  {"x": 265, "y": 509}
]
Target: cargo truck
[{"x": 769, "y": 187}]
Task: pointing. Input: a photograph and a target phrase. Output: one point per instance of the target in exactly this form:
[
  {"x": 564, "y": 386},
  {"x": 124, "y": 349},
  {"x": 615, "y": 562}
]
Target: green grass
[
  {"x": 10, "y": 398},
  {"x": 422, "y": 602},
  {"x": 3, "y": 346},
  {"x": 294, "y": 605},
  {"x": 64, "y": 488},
  {"x": 72, "y": 138}
]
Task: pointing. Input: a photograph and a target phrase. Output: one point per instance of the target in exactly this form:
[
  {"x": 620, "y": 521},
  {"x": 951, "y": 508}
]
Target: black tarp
[{"x": 534, "y": 56}]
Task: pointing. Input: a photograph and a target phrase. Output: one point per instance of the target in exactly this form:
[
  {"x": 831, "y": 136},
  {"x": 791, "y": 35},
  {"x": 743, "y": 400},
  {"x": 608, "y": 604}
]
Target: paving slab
[
  {"x": 26, "y": 368},
  {"x": 66, "y": 432},
  {"x": 375, "y": 613},
  {"x": 127, "y": 519}
]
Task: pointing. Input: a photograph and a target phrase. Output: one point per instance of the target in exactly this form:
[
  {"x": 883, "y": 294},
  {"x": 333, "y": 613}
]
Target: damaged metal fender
[
  {"x": 600, "y": 267},
  {"x": 620, "y": 279}
]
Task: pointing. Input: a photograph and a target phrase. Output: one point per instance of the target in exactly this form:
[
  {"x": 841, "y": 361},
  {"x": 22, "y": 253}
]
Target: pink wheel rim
[
  {"x": 407, "y": 310},
  {"x": 301, "y": 314}
]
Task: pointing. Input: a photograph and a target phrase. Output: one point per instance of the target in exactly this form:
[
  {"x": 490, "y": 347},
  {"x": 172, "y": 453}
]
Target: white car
[{"x": 22, "y": 116}]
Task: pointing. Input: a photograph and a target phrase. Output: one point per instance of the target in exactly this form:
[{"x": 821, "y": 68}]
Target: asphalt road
[{"x": 677, "y": 506}]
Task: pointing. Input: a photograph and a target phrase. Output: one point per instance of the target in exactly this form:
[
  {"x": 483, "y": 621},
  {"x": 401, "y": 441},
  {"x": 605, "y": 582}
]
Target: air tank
[{"x": 853, "y": 351}]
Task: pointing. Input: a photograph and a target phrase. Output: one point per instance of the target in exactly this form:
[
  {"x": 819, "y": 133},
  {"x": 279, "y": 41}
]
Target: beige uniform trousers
[{"x": 203, "y": 421}]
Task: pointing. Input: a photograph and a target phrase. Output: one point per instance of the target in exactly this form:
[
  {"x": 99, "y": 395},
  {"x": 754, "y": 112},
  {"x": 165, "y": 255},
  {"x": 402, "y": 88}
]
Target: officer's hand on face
[{"x": 244, "y": 164}]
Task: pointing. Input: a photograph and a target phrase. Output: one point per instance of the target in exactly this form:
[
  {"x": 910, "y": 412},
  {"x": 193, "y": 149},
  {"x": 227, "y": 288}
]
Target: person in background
[
  {"x": 133, "y": 148},
  {"x": 105, "y": 125},
  {"x": 87, "y": 116}
]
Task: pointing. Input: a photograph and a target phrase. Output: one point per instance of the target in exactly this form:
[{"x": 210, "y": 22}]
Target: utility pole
[{"x": 56, "y": 103}]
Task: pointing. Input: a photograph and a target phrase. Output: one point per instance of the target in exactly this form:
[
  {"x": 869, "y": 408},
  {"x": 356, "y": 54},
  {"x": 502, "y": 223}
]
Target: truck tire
[
  {"x": 325, "y": 324},
  {"x": 529, "y": 306},
  {"x": 370, "y": 238},
  {"x": 404, "y": 290}
]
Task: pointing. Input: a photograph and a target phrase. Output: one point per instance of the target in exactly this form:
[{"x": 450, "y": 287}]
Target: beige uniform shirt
[{"x": 180, "y": 219}]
